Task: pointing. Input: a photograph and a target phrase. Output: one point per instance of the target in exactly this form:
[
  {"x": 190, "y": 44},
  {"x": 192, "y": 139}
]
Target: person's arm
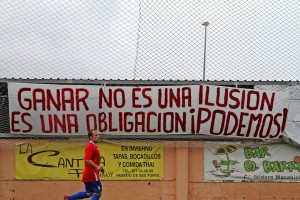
[{"x": 98, "y": 167}]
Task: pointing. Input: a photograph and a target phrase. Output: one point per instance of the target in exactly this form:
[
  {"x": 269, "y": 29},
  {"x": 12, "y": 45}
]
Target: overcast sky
[{"x": 246, "y": 40}]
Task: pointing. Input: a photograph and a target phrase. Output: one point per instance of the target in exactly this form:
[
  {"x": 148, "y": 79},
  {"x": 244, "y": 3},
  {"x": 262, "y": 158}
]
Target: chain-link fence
[
  {"x": 243, "y": 40},
  {"x": 148, "y": 42}
]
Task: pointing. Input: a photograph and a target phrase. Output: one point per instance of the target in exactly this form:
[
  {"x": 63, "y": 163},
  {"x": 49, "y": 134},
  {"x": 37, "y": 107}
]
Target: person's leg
[
  {"x": 78, "y": 195},
  {"x": 97, "y": 189},
  {"x": 96, "y": 196},
  {"x": 89, "y": 191}
]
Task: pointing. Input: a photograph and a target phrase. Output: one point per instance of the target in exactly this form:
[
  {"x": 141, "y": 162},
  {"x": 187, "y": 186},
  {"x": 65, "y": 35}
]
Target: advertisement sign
[
  {"x": 64, "y": 161},
  {"x": 190, "y": 109},
  {"x": 251, "y": 162}
]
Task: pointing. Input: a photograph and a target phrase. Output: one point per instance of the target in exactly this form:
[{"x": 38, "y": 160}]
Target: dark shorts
[{"x": 94, "y": 187}]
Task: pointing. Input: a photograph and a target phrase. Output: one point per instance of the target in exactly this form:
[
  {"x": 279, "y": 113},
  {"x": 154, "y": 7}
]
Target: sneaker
[{"x": 66, "y": 197}]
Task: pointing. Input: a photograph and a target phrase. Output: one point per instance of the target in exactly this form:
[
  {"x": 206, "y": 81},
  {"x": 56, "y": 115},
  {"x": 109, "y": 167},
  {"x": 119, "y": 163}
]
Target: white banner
[
  {"x": 190, "y": 109},
  {"x": 256, "y": 162},
  {"x": 292, "y": 130}
]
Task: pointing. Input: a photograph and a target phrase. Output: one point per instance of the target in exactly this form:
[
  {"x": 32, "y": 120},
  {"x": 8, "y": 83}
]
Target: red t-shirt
[{"x": 90, "y": 174}]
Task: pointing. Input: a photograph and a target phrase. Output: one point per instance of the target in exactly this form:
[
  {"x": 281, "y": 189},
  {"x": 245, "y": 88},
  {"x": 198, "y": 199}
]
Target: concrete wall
[{"x": 183, "y": 181}]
